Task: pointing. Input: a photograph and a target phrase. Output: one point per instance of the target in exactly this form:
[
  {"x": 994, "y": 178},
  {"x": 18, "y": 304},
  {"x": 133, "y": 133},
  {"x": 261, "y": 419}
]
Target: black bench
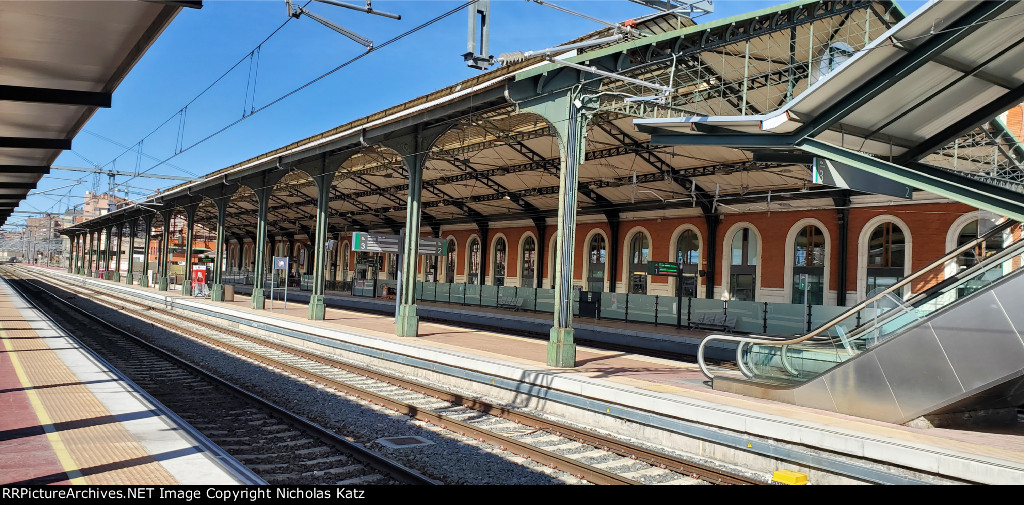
[
  {"x": 710, "y": 321},
  {"x": 510, "y": 303}
]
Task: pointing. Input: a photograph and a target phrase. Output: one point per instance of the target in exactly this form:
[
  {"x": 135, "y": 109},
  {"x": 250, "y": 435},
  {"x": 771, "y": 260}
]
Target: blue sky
[{"x": 201, "y": 45}]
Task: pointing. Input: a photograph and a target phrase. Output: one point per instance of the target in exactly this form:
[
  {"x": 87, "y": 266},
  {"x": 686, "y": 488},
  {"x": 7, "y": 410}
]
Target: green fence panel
[
  {"x": 642, "y": 307},
  {"x": 472, "y": 294},
  {"x": 545, "y": 300},
  {"x": 785, "y": 319},
  {"x": 613, "y": 306},
  {"x": 489, "y": 296},
  {"x": 749, "y": 315},
  {"x": 821, "y": 314},
  {"x": 706, "y": 306},
  {"x": 529, "y": 296},
  {"x": 457, "y": 293},
  {"x": 668, "y": 308},
  {"x": 507, "y": 294}
]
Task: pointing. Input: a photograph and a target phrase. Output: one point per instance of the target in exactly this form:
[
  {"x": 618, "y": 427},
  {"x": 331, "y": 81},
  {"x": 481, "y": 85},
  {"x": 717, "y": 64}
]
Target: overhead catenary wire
[{"x": 313, "y": 81}]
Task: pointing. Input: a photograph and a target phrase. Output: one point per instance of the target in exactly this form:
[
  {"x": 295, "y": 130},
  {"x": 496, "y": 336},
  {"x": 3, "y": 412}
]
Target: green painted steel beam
[
  {"x": 967, "y": 24},
  {"x": 708, "y": 27},
  {"x": 940, "y": 182}
]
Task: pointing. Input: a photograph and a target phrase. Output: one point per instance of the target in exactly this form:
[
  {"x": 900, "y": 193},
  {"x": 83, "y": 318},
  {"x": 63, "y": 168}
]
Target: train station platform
[
  {"x": 68, "y": 418},
  {"x": 662, "y": 402},
  {"x": 661, "y": 338}
]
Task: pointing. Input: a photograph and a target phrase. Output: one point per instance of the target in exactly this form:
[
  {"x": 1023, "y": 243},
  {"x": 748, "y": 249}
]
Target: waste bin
[
  {"x": 229, "y": 292},
  {"x": 589, "y": 303}
]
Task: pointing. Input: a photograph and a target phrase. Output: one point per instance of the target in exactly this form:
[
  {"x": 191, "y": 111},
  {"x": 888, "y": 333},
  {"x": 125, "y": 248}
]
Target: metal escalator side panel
[{"x": 961, "y": 350}]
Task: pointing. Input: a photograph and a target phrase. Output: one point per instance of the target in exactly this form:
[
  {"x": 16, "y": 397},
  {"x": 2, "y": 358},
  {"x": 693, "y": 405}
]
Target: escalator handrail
[
  {"x": 763, "y": 340},
  {"x": 953, "y": 282}
]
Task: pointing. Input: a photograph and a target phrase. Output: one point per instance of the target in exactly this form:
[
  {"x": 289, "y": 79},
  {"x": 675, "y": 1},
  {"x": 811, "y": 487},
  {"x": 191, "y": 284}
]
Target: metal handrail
[
  {"x": 957, "y": 280},
  {"x": 763, "y": 340}
]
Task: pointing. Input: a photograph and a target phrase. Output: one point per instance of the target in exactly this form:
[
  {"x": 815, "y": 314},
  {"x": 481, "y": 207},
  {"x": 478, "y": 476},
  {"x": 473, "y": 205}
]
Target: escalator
[{"x": 957, "y": 346}]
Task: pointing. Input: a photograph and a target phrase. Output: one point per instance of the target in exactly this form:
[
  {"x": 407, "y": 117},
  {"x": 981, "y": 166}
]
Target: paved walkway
[
  {"x": 681, "y": 381},
  {"x": 65, "y": 419}
]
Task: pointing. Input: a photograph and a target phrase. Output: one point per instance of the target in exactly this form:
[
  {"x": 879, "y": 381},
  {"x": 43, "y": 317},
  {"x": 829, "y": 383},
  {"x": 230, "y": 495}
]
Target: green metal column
[
  {"x": 217, "y": 285},
  {"x": 132, "y": 232},
  {"x": 120, "y": 245},
  {"x": 72, "y": 258},
  {"x": 108, "y": 246},
  {"x": 561, "y": 345},
  {"x": 103, "y": 265},
  {"x": 147, "y": 235},
  {"x": 81, "y": 254},
  {"x": 90, "y": 252},
  {"x": 161, "y": 261},
  {"x": 407, "y": 324},
  {"x": 263, "y": 198},
  {"x": 317, "y": 308},
  {"x": 414, "y": 149},
  {"x": 190, "y": 224}
]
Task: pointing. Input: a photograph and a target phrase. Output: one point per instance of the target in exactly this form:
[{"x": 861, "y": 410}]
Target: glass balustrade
[{"x": 885, "y": 316}]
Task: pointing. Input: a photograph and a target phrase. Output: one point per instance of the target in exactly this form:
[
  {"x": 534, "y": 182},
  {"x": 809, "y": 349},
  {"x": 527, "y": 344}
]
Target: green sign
[
  {"x": 662, "y": 268},
  {"x": 206, "y": 260}
]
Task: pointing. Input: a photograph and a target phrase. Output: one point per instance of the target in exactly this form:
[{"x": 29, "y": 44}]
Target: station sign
[
  {"x": 433, "y": 246},
  {"x": 205, "y": 260},
  {"x": 663, "y": 268},
  {"x": 376, "y": 242},
  {"x": 280, "y": 262}
]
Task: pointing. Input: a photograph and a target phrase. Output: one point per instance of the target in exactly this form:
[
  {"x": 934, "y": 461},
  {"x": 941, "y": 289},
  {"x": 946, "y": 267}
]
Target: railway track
[
  {"x": 589, "y": 456},
  {"x": 279, "y": 446}
]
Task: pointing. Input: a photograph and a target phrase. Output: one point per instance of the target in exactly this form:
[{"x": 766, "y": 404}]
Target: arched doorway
[{"x": 597, "y": 259}]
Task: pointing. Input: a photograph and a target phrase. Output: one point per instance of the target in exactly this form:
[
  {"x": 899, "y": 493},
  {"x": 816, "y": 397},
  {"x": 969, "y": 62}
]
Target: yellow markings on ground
[
  {"x": 790, "y": 478},
  {"x": 61, "y": 450}
]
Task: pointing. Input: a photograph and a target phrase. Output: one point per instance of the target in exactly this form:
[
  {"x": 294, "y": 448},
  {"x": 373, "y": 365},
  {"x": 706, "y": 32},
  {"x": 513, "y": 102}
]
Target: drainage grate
[{"x": 403, "y": 442}]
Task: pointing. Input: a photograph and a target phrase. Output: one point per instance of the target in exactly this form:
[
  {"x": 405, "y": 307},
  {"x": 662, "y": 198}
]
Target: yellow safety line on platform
[{"x": 63, "y": 455}]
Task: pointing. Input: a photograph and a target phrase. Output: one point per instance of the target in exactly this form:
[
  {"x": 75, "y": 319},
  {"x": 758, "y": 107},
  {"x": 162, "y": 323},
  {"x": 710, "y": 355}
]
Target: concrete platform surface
[
  {"x": 67, "y": 418},
  {"x": 668, "y": 394}
]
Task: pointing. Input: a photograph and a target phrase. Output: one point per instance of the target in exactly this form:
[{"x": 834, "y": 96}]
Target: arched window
[
  {"x": 552, "y": 259},
  {"x": 500, "y": 251},
  {"x": 392, "y": 265},
  {"x": 688, "y": 258},
  {"x": 639, "y": 255},
  {"x": 449, "y": 268},
  {"x": 342, "y": 275},
  {"x": 743, "y": 265},
  {"x": 474, "y": 262},
  {"x": 886, "y": 257},
  {"x": 971, "y": 232},
  {"x": 596, "y": 262},
  {"x": 809, "y": 266},
  {"x": 529, "y": 262}
]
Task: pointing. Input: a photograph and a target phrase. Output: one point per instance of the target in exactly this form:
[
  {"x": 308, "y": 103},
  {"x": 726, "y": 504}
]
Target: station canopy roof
[
  {"x": 59, "y": 62},
  {"x": 495, "y": 163},
  {"x": 923, "y": 91}
]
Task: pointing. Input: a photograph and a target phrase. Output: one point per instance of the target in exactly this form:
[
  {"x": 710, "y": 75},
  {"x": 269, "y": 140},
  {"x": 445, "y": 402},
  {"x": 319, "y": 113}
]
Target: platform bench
[
  {"x": 708, "y": 321},
  {"x": 510, "y": 303}
]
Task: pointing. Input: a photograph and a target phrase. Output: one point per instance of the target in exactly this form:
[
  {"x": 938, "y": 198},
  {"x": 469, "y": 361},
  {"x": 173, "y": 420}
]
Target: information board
[{"x": 662, "y": 268}]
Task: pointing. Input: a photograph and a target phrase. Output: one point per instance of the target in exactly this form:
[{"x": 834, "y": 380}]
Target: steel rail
[
  {"x": 377, "y": 461},
  {"x": 552, "y": 460},
  {"x": 587, "y": 472},
  {"x": 763, "y": 340}
]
